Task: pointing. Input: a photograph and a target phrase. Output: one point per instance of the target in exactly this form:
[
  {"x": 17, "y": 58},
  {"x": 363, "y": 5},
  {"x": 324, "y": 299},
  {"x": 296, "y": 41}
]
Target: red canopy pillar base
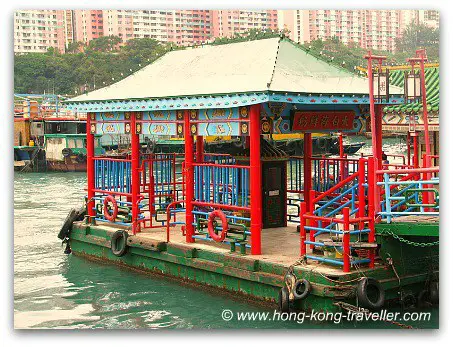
[{"x": 255, "y": 179}]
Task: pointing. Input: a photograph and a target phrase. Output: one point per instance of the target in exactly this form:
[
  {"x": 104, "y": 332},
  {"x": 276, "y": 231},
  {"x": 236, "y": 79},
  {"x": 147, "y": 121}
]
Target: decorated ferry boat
[{"x": 301, "y": 231}]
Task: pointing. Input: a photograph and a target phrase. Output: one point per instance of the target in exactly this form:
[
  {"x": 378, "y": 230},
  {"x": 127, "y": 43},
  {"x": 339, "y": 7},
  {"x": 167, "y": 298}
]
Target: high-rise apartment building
[
  {"x": 88, "y": 25},
  {"x": 429, "y": 18},
  {"x": 376, "y": 29},
  {"x": 182, "y": 27},
  {"x": 38, "y": 30},
  {"x": 69, "y": 27},
  {"x": 226, "y": 23}
]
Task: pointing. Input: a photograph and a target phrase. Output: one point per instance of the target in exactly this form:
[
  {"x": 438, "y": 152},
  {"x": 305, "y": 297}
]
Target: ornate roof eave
[{"x": 221, "y": 101}]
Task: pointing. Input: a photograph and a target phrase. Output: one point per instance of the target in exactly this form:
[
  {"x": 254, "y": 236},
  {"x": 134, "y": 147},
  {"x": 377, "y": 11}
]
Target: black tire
[
  {"x": 119, "y": 251},
  {"x": 423, "y": 299},
  {"x": 66, "y": 152},
  {"x": 409, "y": 302},
  {"x": 76, "y": 214},
  {"x": 434, "y": 293},
  {"x": 283, "y": 300},
  {"x": 366, "y": 300},
  {"x": 301, "y": 289},
  {"x": 238, "y": 143},
  {"x": 80, "y": 158}
]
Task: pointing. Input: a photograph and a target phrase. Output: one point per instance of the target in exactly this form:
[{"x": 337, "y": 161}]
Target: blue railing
[
  {"x": 112, "y": 175},
  {"x": 416, "y": 197},
  {"x": 326, "y": 173},
  {"x": 222, "y": 184},
  {"x": 161, "y": 183}
]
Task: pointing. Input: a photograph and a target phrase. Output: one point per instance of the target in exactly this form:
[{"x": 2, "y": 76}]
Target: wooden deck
[
  {"x": 415, "y": 219},
  {"x": 279, "y": 245}
]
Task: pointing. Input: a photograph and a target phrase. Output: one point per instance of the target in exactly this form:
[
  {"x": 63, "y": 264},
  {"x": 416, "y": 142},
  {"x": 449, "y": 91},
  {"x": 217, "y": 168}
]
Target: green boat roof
[
  {"x": 260, "y": 66},
  {"x": 432, "y": 92}
]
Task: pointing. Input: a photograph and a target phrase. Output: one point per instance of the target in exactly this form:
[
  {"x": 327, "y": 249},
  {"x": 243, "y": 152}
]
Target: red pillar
[
  {"x": 361, "y": 190},
  {"x": 372, "y": 110},
  {"x": 255, "y": 179},
  {"x": 90, "y": 167},
  {"x": 408, "y": 144},
  {"x": 416, "y": 155},
  {"x": 379, "y": 136},
  {"x": 346, "y": 239},
  {"x": 421, "y": 53},
  {"x": 340, "y": 145},
  {"x": 199, "y": 152},
  {"x": 374, "y": 137},
  {"x": 189, "y": 176},
  {"x": 302, "y": 232},
  {"x": 135, "y": 163},
  {"x": 371, "y": 207},
  {"x": 307, "y": 168}
]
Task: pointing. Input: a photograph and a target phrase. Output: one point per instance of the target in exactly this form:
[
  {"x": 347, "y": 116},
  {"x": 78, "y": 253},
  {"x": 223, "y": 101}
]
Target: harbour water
[{"x": 54, "y": 290}]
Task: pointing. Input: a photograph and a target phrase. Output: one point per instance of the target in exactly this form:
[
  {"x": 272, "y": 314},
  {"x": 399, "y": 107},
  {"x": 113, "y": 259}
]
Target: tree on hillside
[
  {"x": 335, "y": 52},
  {"x": 252, "y": 34},
  {"x": 143, "y": 51},
  {"x": 417, "y": 36},
  {"x": 75, "y": 47},
  {"x": 104, "y": 44}
]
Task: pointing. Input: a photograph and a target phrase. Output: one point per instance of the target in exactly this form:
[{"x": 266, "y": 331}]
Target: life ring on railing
[
  {"x": 212, "y": 233},
  {"x": 107, "y": 215}
]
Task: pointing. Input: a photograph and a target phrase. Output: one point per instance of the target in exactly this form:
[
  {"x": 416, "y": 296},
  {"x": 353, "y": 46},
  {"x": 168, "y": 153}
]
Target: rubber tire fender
[
  {"x": 75, "y": 214},
  {"x": 362, "y": 293},
  {"x": 119, "y": 252},
  {"x": 283, "y": 299},
  {"x": 239, "y": 144},
  {"x": 306, "y": 288},
  {"x": 80, "y": 158},
  {"x": 434, "y": 293},
  {"x": 423, "y": 299},
  {"x": 216, "y": 237},
  {"x": 66, "y": 152}
]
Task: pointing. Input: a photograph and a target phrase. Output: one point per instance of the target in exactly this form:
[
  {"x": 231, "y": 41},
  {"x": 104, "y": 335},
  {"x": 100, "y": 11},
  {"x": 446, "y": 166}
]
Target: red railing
[{"x": 348, "y": 197}]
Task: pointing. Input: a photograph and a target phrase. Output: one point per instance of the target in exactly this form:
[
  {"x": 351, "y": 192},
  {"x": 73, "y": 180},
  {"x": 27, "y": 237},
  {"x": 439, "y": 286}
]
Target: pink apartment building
[
  {"x": 182, "y": 27},
  {"x": 226, "y": 23},
  {"x": 376, "y": 29},
  {"x": 88, "y": 25},
  {"x": 37, "y": 30}
]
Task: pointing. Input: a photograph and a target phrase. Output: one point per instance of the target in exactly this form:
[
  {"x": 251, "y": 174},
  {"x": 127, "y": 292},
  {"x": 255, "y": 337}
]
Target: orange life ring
[
  {"x": 107, "y": 215},
  {"x": 212, "y": 216}
]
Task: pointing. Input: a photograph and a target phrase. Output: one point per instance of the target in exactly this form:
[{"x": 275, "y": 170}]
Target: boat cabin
[{"x": 260, "y": 202}]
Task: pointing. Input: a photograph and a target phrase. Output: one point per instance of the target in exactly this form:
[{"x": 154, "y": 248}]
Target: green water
[{"x": 53, "y": 290}]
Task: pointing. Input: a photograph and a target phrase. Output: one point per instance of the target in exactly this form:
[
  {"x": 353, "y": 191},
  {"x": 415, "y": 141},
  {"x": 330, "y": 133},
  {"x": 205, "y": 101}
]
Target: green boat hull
[{"x": 252, "y": 279}]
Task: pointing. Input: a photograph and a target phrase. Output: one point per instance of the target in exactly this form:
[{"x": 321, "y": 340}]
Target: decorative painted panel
[{"x": 280, "y": 113}]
